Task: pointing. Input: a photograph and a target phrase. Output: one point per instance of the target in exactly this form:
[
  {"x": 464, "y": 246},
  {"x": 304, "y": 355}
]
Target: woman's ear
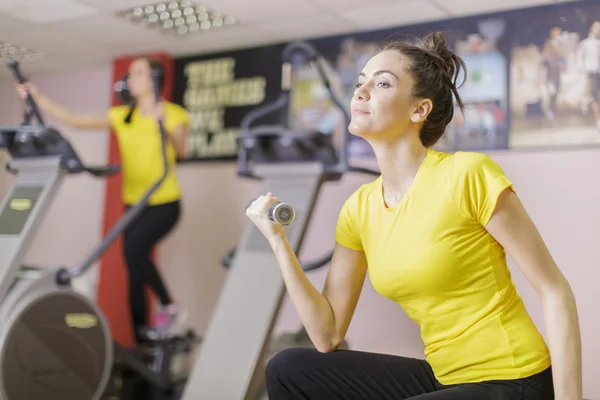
[{"x": 422, "y": 109}]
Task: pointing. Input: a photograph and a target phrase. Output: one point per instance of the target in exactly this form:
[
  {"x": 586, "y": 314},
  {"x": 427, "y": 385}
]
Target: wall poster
[{"x": 533, "y": 82}]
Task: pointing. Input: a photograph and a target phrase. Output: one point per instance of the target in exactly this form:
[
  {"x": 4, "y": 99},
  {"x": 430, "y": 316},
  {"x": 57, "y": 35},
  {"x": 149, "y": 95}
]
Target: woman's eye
[
  {"x": 383, "y": 84},
  {"x": 357, "y": 85}
]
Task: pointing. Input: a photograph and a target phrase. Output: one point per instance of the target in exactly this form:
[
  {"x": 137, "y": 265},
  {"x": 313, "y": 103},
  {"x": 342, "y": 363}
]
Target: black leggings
[
  {"x": 153, "y": 223},
  {"x": 352, "y": 375}
]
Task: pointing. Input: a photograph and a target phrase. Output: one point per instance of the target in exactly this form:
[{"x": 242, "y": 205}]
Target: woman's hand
[
  {"x": 258, "y": 214},
  {"x": 159, "y": 111},
  {"x": 24, "y": 88}
]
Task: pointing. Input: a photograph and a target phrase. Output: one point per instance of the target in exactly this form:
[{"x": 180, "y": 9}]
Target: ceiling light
[
  {"x": 11, "y": 52},
  {"x": 177, "y": 17}
]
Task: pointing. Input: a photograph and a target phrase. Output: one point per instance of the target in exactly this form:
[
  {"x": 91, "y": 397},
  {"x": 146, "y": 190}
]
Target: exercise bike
[
  {"x": 55, "y": 344},
  {"x": 294, "y": 165}
]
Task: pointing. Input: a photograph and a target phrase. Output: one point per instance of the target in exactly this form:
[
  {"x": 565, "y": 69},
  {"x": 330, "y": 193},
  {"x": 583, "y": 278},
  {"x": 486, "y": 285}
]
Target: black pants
[
  {"x": 138, "y": 241},
  {"x": 352, "y": 375}
]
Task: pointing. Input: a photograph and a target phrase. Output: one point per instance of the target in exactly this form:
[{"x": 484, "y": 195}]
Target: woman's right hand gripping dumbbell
[
  {"x": 258, "y": 213},
  {"x": 315, "y": 311}
]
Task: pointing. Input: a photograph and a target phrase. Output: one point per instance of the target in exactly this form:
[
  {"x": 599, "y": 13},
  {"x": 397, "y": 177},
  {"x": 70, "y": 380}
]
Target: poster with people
[
  {"x": 533, "y": 80},
  {"x": 484, "y": 124},
  {"x": 555, "y": 70}
]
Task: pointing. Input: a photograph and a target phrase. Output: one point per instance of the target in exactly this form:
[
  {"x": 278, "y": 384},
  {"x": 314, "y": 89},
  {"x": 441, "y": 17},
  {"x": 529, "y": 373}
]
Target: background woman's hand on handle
[
  {"x": 24, "y": 88},
  {"x": 258, "y": 213},
  {"x": 60, "y": 113}
]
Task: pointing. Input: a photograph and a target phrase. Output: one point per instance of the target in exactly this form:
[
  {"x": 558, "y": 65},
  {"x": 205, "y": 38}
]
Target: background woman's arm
[
  {"x": 62, "y": 114},
  {"x": 178, "y": 138}
]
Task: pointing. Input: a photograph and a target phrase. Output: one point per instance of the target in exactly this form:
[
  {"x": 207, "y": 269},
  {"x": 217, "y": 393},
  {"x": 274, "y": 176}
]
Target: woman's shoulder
[
  {"x": 461, "y": 162},
  {"x": 169, "y": 105},
  {"x": 117, "y": 114},
  {"x": 363, "y": 192},
  {"x": 474, "y": 172},
  {"x": 120, "y": 109}
]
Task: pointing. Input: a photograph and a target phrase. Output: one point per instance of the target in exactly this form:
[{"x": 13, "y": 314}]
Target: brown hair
[
  {"x": 155, "y": 66},
  {"x": 435, "y": 69}
]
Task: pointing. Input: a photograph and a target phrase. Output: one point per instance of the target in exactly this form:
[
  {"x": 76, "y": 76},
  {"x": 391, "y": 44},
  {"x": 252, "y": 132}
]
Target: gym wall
[{"x": 548, "y": 182}]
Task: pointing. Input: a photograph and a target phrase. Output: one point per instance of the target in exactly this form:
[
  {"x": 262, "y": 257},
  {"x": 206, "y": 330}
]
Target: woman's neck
[
  {"x": 145, "y": 104},
  {"x": 399, "y": 163}
]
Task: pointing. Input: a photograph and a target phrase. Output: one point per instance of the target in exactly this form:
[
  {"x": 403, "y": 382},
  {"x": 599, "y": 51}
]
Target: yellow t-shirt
[
  {"x": 431, "y": 254},
  {"x": 141, "y": 153}
]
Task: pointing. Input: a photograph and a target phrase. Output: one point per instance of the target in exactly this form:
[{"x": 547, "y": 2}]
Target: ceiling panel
[
  {"x": 6, "y": 4},
  {"x": 106, "y": 27},
  {"x": 47, "y": 11},
  {"x": 247, "y": 11},
  {"x": 340, "y": 5},
  {"x": 40, "y": 38},
  {"x": 115, "y": 5},
  {"x": 309, "y": 26},
  {"x": 391, "y": 15},
  {"x": 232, "y": 37},
  {"x": 474, "y": 7},
  {"x": 8, "y": 22}
]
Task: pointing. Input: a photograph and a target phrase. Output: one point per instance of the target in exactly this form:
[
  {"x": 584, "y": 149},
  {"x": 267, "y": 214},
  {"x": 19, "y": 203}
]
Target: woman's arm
[
  {"x": 178, "y": 135},
  {"x": 62, "y": 114},
  {"x": 178, "y": 138},
  {"x": 326, "y": 316},
  {"x": 512, "y": 227}
]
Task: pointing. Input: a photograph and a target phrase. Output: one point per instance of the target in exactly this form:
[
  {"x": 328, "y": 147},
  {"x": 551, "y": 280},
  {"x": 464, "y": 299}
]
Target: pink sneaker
[{"x": 170, "y": 319}]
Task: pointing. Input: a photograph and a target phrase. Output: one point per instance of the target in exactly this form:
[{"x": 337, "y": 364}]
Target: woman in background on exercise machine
[
  {"x": 140, "y": 149},
  {"x": 434, "y": 230}
]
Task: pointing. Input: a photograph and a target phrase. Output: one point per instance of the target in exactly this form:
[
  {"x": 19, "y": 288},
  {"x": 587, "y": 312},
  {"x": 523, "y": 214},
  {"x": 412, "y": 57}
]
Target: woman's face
[
  {"x": 383, "y": 103},
  {"x": 139, "y": 80}
]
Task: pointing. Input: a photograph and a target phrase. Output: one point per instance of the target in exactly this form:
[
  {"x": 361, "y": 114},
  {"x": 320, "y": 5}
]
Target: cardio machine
[
  {"x": 55, "y": 344},
  {"x": 294, "y": 165}
]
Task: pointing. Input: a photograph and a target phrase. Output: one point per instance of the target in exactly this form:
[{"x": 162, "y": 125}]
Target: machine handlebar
[
  {"x": 103, "y": 171},
  {"x": 227, "y": 260},
  {"x": 308, "y": 49},
  {"x": 249, "y": 139},
  {"x": 14, "y": 67}
]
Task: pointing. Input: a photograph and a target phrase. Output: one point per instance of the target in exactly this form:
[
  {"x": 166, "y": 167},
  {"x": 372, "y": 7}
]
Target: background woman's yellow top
[
  {"x": 141, "y": 153},
  {"x": 431, "y": 254}
]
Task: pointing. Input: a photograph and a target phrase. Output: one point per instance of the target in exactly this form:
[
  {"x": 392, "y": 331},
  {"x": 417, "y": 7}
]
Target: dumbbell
[{"x": 279, "y": 213}]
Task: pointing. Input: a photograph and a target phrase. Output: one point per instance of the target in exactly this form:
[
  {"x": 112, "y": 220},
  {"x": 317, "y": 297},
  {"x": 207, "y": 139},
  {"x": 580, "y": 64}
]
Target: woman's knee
[
  {"x": 288, "y": 363},
  {"x": 135, "y": 254}
]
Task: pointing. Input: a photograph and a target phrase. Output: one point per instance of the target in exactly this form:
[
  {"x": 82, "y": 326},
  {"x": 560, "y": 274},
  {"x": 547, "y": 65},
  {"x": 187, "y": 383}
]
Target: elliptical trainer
[{"x": 55, "y": 344}]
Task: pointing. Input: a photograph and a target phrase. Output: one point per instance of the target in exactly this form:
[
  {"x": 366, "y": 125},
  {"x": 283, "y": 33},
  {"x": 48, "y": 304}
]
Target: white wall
[{"x": 559, "y": 188}]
